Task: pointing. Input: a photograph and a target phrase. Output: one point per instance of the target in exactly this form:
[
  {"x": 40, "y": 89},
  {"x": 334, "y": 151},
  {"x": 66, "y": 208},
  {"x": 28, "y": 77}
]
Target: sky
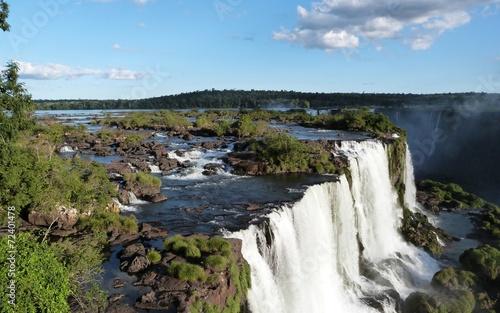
[{"x": 130, "y": 49}]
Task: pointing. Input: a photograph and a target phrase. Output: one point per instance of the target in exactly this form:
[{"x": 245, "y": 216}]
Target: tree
[
  {"x": 16, "y": 106},
  {"x": 4, "y": 13}
]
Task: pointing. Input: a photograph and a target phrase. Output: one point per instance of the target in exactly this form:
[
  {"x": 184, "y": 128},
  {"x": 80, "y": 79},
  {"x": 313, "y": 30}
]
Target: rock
[
  {"x": 187, "y": 137},
  {"x": 123, "y": 197},
  {"x": 253, "y": 207},
  {"x": 115, "y": 297},
  {"x": 211, "y": 145},
  {"x": 101, "y": 150},
  {"x": 135, "y": 265},
  {"x": 167, "y": 164},
  {"x": 113, "y": 207},
  {"x": 149, "y": 232},
  {"x": 132, "y": 250},
  {"x": 64, "y": 218},
  {"x": 118, "y": 283},
  {"x": 159, "y": 197},
  {"x": 120, "y": 308},
  {"x": 120, "y": 168},
  {"x": 212, "y": 169},
  {"x": 158, "y": 153}
]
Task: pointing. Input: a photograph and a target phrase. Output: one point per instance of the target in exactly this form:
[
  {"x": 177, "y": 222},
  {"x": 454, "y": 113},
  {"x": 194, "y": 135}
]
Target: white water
[
  {"x": 411, "y": 189},
  {"x": 198, "y": 158},
  {"x": 132, "y": 199},
  {"x": 307, "y": 258}
]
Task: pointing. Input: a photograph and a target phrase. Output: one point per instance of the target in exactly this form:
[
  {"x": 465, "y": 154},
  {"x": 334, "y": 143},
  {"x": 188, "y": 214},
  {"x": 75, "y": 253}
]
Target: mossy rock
[
  {"x": 449, "y": 279},
  {"x": 484, "y": 261}
]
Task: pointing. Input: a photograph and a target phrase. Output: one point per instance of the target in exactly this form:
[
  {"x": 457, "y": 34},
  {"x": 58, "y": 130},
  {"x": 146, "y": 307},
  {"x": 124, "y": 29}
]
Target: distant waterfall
[{"x": 316, "y": 256}]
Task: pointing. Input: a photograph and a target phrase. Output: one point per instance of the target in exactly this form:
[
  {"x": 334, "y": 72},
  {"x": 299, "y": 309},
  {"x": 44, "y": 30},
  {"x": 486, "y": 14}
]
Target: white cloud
[
  {"x": 141, "y": 25},
  {"x": 119, "y": 47},
  {"x": 141, "y": 2},
  {"x": 50, "y": 71},
  {"x": 334, "y": 24}
]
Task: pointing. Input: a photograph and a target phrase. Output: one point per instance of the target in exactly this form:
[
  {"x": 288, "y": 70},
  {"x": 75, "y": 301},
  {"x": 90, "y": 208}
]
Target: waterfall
[
  {"x": 411, "y": 189},
  {"x": 132, "y": 199},
  {"x": 337, "y": 247}
]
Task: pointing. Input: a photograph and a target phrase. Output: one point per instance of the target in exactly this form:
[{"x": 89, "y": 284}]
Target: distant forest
[{"x": 263, "y": 99}]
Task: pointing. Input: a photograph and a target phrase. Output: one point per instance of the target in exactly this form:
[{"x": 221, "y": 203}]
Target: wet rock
[
  {"x": 120, "y": 308},
  {"x": 119, "y": 168},
  {"x": 118, "y": 283},
  {"x": 135, "y": 265},
  {"x": 253, "y": 207},
  {"x": 150, "y": 232},
  {"x": 115, "y": 297},
  {"x": 167, "y": 164},
  {"x": 211, "y": 145},
  {"x": 132, "y": 250},
  {"x": 123, "y": 197}
]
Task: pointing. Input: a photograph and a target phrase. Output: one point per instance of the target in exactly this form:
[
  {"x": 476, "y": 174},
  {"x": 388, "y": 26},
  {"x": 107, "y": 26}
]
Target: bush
[
  {"x": 42, "y": 283},
  {"x": 187, "y": 272},
  {"x": 217, "y": 262},
  {"x": 153, "y": 256},
  {"x": 143, "y": 178},
  {"x": 219, "y": 244}
]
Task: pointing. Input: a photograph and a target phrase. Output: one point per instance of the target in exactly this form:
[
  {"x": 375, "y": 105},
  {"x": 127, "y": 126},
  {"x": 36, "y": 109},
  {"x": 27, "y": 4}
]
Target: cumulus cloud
[
  {"x": 336, "y": 24},
  {"x": 50, "y": 71}
]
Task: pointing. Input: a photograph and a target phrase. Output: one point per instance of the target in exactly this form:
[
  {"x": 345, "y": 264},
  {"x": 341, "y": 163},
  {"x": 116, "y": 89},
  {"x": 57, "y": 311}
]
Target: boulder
[
  {"x": 135, "y": 264},
  {"x": 62, "y": 217},
  {"x": 167, "y": 164}
]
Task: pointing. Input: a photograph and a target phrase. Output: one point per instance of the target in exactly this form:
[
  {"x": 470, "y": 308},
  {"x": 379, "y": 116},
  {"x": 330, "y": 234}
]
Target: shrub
[
  {"x": 192, "y": 251},
  {"x": 42, "y": 283},
  {"x": 217, "y": 262},
  {"x": 219, "y": 244},
  {"x": 187, "y": 272},
  {"x": 143, "y": 178},
  {"x": 153, "y": 256}
]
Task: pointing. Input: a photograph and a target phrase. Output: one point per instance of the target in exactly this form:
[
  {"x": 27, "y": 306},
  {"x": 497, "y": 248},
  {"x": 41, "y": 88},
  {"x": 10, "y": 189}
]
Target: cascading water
[{"x": 338, "y": 248}]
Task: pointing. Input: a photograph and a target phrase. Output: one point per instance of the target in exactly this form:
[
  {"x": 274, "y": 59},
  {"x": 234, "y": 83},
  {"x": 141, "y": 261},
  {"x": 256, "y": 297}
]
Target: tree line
[{"x": 267, "y": 98}]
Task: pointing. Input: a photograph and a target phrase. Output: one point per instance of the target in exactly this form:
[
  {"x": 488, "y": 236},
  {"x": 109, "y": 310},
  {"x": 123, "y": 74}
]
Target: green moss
[
  {"x": 452, "y": 279},
  {"x": 484, "y": 261}
]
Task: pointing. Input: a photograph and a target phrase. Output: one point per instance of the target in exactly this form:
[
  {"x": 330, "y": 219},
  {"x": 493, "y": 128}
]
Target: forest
[{"x": 265, "y": 98}]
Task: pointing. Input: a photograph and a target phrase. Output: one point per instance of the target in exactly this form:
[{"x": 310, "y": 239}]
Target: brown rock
[
  {"x": 64, "y": 218},
  {"x": 135, "y": 265},
  {"x": 120, "y": 308}
]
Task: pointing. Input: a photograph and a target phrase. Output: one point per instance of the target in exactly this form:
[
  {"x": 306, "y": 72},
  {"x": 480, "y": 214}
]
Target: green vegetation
[
  {"x": 187, "y": 272},
  {"x": 106, "y": 222},
  {"x": 144, "y": 179},
  {"x": 153, "y": 256},
  {"x": 16, "y": 106},
  {"x": 217, "y": 262},
  {"x": 490, "y": 223},
  {"x": 218, "y": 99},
  {"x": 359, "y": 120},
  {"x": 462, "y": 301},
  {"x": 452, "y": 195},
  {"x": 452, "y": 279},
  {"x": 214, "y": 253},
  {"x": 40, "y": 280},
  {"x": 483, "y": 261}
]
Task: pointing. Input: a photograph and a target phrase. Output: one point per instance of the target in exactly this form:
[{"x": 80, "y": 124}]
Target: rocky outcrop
[
  {"x": 62, "y": 217},
  {"x": 173, "y": 288}
]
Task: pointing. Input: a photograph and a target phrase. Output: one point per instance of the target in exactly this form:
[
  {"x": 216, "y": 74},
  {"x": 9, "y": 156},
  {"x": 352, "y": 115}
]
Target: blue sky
[{"x": 110, "y": 49}]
